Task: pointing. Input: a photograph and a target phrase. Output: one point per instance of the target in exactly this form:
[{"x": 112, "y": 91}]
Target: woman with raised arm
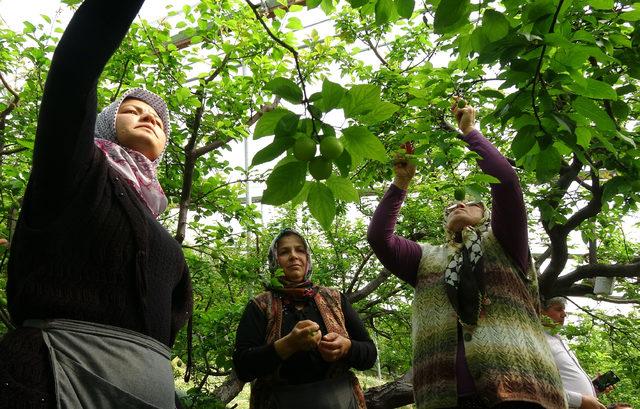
[
  {"x": 298, "y": 341},
  {"x": 97, "y": 288},
  {"x": 477, "y": 338}
]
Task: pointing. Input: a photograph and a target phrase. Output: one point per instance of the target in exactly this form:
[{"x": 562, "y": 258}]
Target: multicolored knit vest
[
  {"x": 330, "y": 307},
  {"x": 506, "y": 352}
]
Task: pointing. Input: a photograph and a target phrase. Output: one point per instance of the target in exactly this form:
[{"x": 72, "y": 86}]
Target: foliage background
[{"x": 555, "y": 83}]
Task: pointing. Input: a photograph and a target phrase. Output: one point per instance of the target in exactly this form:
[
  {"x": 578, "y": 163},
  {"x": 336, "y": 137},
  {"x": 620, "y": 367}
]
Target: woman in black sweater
[
  {"x": 97, "y": 288},
  {"x": 298, "y": 341}
]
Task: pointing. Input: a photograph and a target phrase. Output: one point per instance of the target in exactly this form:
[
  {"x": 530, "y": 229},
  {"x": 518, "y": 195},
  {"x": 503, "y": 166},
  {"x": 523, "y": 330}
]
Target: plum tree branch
[
  {"x": 293, "y": 51},
  {"x": 370, "y": 287},
  {"x": 539, "y": 67},
  {"x": 356, "y": 276},
  {"x": 599, "y": 270}
]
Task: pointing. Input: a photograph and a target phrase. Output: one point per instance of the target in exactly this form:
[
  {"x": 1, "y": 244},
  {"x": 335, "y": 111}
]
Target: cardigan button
[
  {"x": 467, "y": 337},
  {"x": 121, "y": 194}
]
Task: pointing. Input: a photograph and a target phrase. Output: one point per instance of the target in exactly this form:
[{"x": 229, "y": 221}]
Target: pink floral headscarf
[{"x": 139, "y": 172}]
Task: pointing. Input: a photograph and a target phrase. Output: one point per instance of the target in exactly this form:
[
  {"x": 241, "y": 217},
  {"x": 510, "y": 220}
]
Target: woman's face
[
  {"x": 292, "y": 257},
  {"x": 463, "y": 215},
  {"x": 139, "y": 127}
]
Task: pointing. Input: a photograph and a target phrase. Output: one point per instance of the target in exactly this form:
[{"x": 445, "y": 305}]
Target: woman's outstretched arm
[
  {"x": 399, "y": 255},
  {"x": 64, "y": 137},
  {"x": 508, "y": 212}
]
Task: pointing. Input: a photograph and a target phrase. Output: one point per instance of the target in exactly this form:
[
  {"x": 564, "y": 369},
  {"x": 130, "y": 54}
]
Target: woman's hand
[
  {"x": 404, "y": 171},
  {"x": 333, "y": 347},
  {"x": 466, "y": 116},
  {"x": 303, "y": 337}
]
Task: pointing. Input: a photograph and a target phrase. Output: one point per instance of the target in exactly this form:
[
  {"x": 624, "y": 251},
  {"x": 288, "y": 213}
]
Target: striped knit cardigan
[{"x": 507, "y": 352}]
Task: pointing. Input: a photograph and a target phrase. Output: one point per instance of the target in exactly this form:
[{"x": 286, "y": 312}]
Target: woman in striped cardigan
[{"x": 477, "y": 338}]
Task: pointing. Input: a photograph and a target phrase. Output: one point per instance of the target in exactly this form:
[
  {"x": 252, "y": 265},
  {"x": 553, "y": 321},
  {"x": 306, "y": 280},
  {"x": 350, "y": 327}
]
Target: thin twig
[
  {"x": 292, "y": 50},
  {"x": 537, "y": 73},
  {"x": 8, "y": 87},
  {"x": 610, "y": 325},
  {"x": 12, "y": 151}
]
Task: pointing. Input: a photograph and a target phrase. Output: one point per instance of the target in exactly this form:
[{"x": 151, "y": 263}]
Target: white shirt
[{"x": 574, "y": 379}]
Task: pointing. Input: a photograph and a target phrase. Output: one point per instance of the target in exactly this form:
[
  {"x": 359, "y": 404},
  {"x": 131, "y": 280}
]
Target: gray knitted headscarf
[
  {"x": 139, "y": 172},
  {"x": 106, "y": 120}
]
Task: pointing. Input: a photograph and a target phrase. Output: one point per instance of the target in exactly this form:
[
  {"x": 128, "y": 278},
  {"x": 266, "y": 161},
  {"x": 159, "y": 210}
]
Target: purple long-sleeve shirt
[{"x": 508, "y": 222}]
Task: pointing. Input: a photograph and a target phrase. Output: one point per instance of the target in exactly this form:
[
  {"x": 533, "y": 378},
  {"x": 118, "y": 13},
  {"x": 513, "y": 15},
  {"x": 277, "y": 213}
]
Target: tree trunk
[
  {"x": 229, "y": 389},
  {"x": 392, "y": 394}
]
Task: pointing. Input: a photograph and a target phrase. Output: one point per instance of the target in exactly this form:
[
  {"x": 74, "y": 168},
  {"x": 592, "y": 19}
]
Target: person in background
[
  {"x": 477, "y": 338},
  {"x": 578, "y": 386},
  {"x": 97, "y": 288},
  {"x": 297, "y": 341}
]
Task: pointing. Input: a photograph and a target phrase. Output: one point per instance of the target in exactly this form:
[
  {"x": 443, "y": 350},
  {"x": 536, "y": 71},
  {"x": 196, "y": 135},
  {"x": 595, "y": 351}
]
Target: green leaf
[
  {"x": 359, "y": 141},
  {"x": 358, "y": 3},
  {"x": 548, "y": 163},
  {"x": 591, "y": 110},
  {"x": 301, "y": 197},
  {"x": 287, "y": 125},
  {"x": 523, "y": 142},
  {"x": 28, "y": 27},
  {"x": 272, "y": 151},
  {"x": 315, "y": 111},
  {"x": 626, "y": 138},
  {"x": 620, "y": 109},
  {"x": 450, "y": 14},
  {"x": 606, "y": 143},
  {"x": 613, "y": 186},
  {"x": 565, "y": 122},
  {"x": 360, "y": 99},
  {"x": 311, "y": 4},
  {"x": 633, "y": 15},
  {"x": 328, "y": 130},
  {"x": 285, "y": 182},
  {"x": 583, "y": 136},
  {"x": 343, "y": 189},
  {"x": 295, "y": 24},
  {"x": 593, "y": 89},
  {"x": 327, "y": 6},
  {"x": 344, "y": 162},
  {"x": 601, "y": 4},
  {"x": 332, "y": 94},
  {"x": 322, "y": 204},
  {"x": 573, "y": 56},
  {"x": 405, "y": 8},
  {"x": 286, "y": 89},
  {"x": 267, "y": 123},
  {"x": 384, "y": 11},
  {"x": 26, "y": 143},
  {"x": 381, "y": 111},
  {"x": 495, "y": 25},
  {"x": 491, "y": 93},
  {"x": 482, "y": 178}
]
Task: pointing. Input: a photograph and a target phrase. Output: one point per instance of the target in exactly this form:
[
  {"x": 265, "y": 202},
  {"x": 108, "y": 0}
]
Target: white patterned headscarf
[
  {"x": 139, "y": 172},
  {"x": 464, "y": 275}
]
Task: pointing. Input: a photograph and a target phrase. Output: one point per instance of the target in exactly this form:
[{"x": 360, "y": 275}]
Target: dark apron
[
  {"x": 103, "y": 367},
  {"x": 335, "y": 393}
]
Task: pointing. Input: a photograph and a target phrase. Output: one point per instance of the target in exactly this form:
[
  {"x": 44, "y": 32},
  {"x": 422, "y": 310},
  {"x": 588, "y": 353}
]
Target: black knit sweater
[{"x": 85, "y": 247}]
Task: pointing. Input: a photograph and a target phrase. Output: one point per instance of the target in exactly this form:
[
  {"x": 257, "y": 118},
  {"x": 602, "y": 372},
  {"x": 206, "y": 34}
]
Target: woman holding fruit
[
  {"x": 297, "y": 341},
  {"x": 477, "y": 338}
]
